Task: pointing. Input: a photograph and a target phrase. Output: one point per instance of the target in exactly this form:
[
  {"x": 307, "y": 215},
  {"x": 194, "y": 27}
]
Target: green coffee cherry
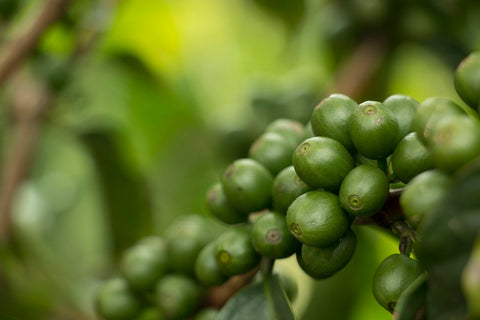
[
  {"x": 467, "y": 80},
  {"x": 220, "y": 208},
  {"x": 178, "y": 296},
  {"x": 410, "y": 158},
  {"x": 392, "y": 277},
  {"x": 271, "y": 238},
  {"x": 185, "y": 238},
  {"x": 235, "y": 253},
  {"x": 207, "y": 314},
  {"x": 454, "y": 141},
  {"x": 403, "y": 108},
  {"x": 374, "y": 130},
  {"x": 116, "y": 301},
  {"x": 247, "y": 185},
  {"x": 422, "y": 194},
  {"x": 364, "y": 190},
  {"x": 143, "y": 264},
  {"x": 322, "y": 163},
  {"x": 428, "y": 114},
  {"x": 273, "y": 151},
  {"x": 323, "y": 262},
  {"x": 317, "y": 219},
  {"x": 291, "y": 130},
  {"x": 330, "y": 119},
  {"x": 207, "y": 270},
  {"x": 287, "y": 186}
]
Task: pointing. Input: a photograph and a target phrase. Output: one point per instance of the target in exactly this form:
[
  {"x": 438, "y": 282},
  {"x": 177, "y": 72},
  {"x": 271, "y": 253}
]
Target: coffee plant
[{"x": 410, "y": 168}]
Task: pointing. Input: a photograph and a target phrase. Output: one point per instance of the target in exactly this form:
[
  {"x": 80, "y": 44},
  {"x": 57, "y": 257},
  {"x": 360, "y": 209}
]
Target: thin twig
[
  {"x": 217, "y": 296},
  {"x": 266, "y": 266},
  {"x": 15, "y": 51},
  {"x": 30, "y": 102}
]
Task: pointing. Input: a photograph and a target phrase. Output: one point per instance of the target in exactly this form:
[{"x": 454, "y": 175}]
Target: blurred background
[{"x": 119, "y": 116}]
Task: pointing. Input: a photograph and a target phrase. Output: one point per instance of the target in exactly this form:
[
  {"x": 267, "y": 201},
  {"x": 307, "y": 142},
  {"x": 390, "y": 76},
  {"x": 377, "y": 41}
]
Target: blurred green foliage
[{"x": 150, "y": 117}]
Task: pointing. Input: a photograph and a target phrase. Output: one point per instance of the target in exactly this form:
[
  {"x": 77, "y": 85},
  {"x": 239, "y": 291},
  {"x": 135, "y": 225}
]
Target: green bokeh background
[{"x": 171, "y": 93}]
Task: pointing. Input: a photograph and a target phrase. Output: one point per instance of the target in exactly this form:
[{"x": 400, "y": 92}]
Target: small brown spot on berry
[
  {"x": 229, "y": 171},
  {"x": 379, "y": 120},
  {"x": 274, "y": 236}
]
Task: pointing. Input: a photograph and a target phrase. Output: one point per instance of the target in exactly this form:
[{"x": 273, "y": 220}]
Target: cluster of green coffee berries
[
  {"x": 300, "y": 190},
  {"x": 157, "y": 275},
  {"x": 347, "y": 166},
  {"x": 169, "y": 277}
]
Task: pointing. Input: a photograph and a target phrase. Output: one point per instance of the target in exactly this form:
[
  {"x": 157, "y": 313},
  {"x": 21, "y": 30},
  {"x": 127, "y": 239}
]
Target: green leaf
[
  {"x": 247, "y": 303},
  {"x": 445, "y": 242},
  {"x": 264, "y": 300},
  {"x": 412, "y": 300},
  {"x": 277, "y": 299}
]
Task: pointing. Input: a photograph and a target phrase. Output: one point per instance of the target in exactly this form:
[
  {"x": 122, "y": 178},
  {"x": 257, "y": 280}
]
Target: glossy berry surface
[
  {"x": 220, "y": 208},
  {"x": 374, "y": 130},
  {"x": 287, "y": 186},
  {"x": 317, "y": 219},
  {"x": 403, "y": 108},
  {"x": 430, "y": 112},
  {"x": 235, "y": 253},
  {"x": 271, "y": 238},
  {"x": 178, "y": 296},
  {"x": 364, "y": 190},
  {"x": 330, "y": 119},
  {"x": 422, "y": 195},
  {"x": 467, "y": 80},
  {"x": 291, "y": 130},
  {"x": 323, "y": 262},
  {"x": 143, "y": 264},
  {"x": 454, "y": 141},
  {"x": 116, "y": 301},
  {"x": 273, "y": 151},
  {"x": 185, "y": 238},
  {"x": 410, "y": 158},
  {"x": 322, "y": 163},
  {"x": 392, "y": 277},
  {"x": 247, "y": 185},
  {"x": 207, "y": 270}
]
